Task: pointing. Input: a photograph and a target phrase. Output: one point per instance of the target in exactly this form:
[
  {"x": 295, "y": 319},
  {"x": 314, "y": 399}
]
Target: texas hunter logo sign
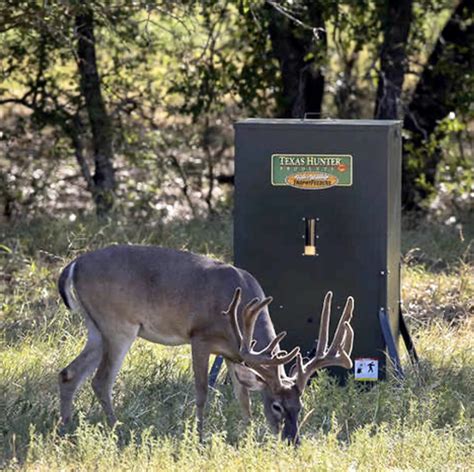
[{"x": 312, "y": 171}]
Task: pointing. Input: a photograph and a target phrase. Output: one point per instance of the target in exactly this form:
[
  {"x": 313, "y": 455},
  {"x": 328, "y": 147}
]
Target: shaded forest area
[{"x": 127, "y": 107}]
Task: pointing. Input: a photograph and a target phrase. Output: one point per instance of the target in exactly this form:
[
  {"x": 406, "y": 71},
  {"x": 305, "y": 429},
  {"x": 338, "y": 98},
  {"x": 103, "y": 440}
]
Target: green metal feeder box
[{"x": 317, "y": 208}]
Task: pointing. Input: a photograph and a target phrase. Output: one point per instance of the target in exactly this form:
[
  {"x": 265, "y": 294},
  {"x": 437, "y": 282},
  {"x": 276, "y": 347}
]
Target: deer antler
[
  {"x": 268, "y": 356},
  {"x": 340, "y": 349}
]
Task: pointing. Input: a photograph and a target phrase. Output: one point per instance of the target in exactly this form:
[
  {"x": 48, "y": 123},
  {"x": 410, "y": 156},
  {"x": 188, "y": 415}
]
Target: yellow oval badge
[{"x": 312, "y": 180}]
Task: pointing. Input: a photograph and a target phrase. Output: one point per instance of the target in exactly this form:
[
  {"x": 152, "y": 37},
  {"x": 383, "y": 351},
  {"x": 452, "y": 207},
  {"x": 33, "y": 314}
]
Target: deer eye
[{"x": 277, "y": 408}]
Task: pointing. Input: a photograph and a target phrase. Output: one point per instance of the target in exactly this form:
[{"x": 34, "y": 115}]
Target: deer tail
[{"x": 66, "y": 287}]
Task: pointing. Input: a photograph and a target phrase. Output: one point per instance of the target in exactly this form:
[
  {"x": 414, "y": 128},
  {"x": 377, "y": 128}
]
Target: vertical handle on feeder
[{"x": 310, "y": 237}]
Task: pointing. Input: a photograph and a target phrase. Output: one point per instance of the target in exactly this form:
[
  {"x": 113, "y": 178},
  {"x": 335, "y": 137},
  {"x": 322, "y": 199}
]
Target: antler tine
[
  {"x": 273, "y": 343},
  {"x": 267, "y": 357},
  {"x": 341, "y": 330},
  {"x": 346, "y": 349},
  {"x": 235, "y": 301},
  {"x": 340, "y": 349},
  {"x": 349, "y": 340},
  {"x": 249, "y": 315},
  {"x": 281, "y": 359},
  {"x": 232, "y": 313},
  {"x": 300, "y": 378},
  {"x": 324, "y": 326}
]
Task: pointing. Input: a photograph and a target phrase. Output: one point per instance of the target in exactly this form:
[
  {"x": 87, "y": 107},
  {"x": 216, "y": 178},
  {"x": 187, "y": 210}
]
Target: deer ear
[{"x": 249, "y": 378}]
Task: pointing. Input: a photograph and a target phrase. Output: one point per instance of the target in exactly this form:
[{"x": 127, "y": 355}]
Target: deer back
[{"x": 173, "y": 295}]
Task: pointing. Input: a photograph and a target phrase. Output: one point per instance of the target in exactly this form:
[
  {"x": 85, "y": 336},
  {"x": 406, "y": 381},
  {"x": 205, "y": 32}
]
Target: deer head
[{"x": 264, "y": 370}]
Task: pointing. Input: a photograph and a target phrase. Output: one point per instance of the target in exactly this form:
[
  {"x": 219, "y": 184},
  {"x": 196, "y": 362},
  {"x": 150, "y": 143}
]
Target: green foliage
[
  {"x": 151, "y": 62},
  {"x": 422, "y": 423},
  {"x": 175, "y": 76},
  {"x": 451, "y": 193}
]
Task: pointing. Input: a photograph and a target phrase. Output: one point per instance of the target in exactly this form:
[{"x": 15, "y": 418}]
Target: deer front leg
[
  {"x": 241, "y": 393},
  {"x": 200, "y": 355}
]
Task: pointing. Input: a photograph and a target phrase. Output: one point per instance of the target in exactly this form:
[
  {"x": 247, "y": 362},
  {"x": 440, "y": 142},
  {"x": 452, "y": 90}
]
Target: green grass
[{"x": 422, "y": 423}]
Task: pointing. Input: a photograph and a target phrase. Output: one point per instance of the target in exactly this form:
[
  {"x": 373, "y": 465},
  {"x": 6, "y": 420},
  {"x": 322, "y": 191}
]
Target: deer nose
[
  {"x": 290, "y": 435},
  {"x": 292, "y": 440}
]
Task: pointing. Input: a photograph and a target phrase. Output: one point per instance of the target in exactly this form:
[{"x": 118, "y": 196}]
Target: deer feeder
[{"x": 317, "y": 208}]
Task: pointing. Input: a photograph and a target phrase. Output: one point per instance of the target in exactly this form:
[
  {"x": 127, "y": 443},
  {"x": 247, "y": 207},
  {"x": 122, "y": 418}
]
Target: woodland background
[
  {"x": 128, "y": 106},
  {"x": 116, "y": 127}
]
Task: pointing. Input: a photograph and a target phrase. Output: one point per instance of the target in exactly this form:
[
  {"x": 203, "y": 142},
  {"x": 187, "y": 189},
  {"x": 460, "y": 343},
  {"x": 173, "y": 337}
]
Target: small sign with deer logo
[{"x": 366, "y": 369}]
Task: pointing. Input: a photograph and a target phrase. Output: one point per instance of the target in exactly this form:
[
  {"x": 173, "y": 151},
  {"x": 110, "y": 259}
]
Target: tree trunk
[
  {"x": 300, "y": 52},
  {"x": 104, "y": 178},
  {"x": 446, "y": 75},
  {"x": 396, "y": 25}
]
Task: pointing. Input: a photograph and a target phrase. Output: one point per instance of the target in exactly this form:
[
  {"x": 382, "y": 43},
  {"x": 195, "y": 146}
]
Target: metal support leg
[
  {"x": 216, "y": 367},
  {"x": 408, "y": 339},
  {"x": 390, "y": 342}
]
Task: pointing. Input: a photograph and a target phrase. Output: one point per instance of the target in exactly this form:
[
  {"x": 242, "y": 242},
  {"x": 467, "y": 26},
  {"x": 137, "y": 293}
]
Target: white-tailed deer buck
[{"x": 173, "y": 297}]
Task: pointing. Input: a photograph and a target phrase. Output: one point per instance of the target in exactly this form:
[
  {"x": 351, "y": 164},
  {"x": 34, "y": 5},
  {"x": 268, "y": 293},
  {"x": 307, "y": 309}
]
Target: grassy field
[{"x": 423, "y": 423}]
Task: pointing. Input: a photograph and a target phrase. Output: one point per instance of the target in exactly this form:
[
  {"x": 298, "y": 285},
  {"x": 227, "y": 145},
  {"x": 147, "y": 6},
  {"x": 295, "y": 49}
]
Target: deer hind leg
[
  {"x": 74, "y": 375},
  {"x": 241, "y": 393},
  {"x": 115, "y": 347},
  {"x": 200, "y": 355}
]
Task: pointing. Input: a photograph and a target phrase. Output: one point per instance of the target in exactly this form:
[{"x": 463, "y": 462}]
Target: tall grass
[{"x": 421, "y": 423}]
